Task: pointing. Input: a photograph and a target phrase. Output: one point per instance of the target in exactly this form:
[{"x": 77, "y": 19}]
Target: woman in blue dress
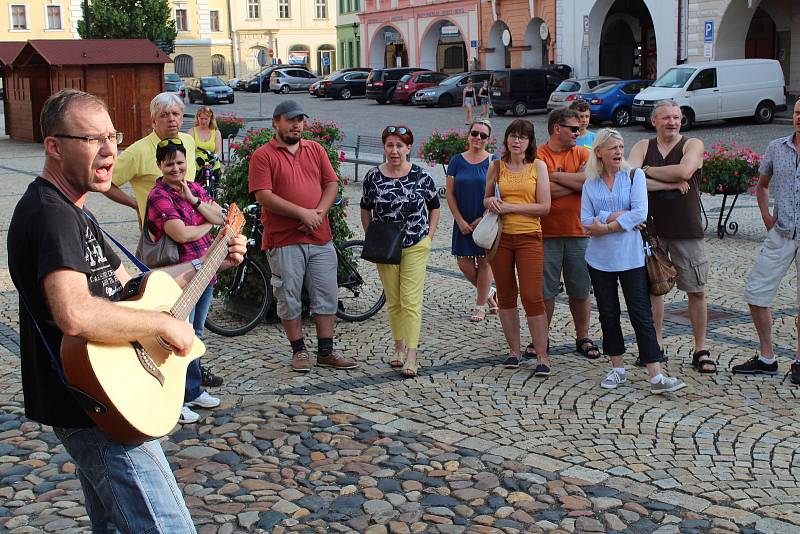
[{"x": 466, "y": 185}]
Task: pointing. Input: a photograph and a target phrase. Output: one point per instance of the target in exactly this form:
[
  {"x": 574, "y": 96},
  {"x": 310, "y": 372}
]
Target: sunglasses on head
[
  {"x": 476, "y": 133},
  {"x": 573, "y": 129},
  {"x": 402, "y": 130},
  {"x": 165, "y": 142}
]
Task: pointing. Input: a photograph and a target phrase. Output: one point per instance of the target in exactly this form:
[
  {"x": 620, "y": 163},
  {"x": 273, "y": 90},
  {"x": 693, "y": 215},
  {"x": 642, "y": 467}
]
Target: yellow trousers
[{"x": 403, "y": 285}]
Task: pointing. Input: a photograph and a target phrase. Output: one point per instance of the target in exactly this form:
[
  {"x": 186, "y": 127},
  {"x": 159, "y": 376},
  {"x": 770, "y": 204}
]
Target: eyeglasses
[
  {"x": 476, "y": 133},
  {"x": 573, "y": 129},
  {"x": 402, "y": 130},
  {"x": 165, "y": 142},
  {"x": 115, "y": 138},
  {"x": 515, "y": 137}
]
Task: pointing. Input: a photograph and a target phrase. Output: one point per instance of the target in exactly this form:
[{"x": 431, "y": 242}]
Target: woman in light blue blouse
[{"x": 613, "y": 206}]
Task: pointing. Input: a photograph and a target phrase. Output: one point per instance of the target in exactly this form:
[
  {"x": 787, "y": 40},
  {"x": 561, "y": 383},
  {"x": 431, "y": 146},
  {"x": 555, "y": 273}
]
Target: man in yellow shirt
[{"x": 137, "y": 164}]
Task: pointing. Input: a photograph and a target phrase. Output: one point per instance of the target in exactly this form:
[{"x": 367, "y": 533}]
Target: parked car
[
  {"x": 409, "y": 84},
  {"x": 209, "y": 90},
  {"x": 381, "y": 83},
  {"x": 612, "y": 101},
  {"x": 561, "y": 68},
  {"x": 260, "y": 82},
  {"x": 451, "y": 90},
  {"x": 234, "y": 82},
  {"x": 288, "y": 79},
  {"x": 718, "y": 90},
  {"x": 315, "y": 89},
  {"x": 568, "y": 90},
  {"x": 345, "y": 85},
  {"x": 174, "y": 84},
  {"x": 519, "y": 90}
]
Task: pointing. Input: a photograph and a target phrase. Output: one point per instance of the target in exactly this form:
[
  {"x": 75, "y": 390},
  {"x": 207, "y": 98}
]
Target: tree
[{"x": 129, "y": 19}]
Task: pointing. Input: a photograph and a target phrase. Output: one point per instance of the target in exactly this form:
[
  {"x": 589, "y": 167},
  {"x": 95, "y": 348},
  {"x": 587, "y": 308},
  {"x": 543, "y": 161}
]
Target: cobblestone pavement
[{"x": 468, "y": 446}]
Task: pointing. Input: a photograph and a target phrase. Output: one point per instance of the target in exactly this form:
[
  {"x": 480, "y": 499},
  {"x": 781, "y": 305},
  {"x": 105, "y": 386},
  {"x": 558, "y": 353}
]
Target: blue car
[{"x": 612, "y": 101}]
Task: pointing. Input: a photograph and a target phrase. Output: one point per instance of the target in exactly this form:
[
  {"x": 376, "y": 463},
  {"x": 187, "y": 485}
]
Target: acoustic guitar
[{"x": 134, "y": 391}]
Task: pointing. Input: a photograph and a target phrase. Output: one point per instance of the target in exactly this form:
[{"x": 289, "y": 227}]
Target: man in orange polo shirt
[
  {"x": 563, "y": 237},
  {"x": 293, "y": 180}
]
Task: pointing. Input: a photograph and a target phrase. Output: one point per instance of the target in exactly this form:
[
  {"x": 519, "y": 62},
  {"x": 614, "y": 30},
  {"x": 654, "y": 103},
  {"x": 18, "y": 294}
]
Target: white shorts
[{"x": 776, "y": 255}]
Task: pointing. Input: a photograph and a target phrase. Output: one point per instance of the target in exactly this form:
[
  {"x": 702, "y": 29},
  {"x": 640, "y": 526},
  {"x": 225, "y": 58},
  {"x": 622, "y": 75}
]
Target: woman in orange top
[{"x": 524, "y": 198}]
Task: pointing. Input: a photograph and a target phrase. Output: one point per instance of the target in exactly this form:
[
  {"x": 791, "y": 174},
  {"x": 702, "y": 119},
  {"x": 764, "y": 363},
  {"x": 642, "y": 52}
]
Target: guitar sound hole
[{"x": 147, "y": 362}]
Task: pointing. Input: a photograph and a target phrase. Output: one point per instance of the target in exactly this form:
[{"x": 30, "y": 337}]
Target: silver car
[
  {"x": 290, "y": 79},
  {"x": 450, "y": 92},
  {"x": 567, "y": 90}
]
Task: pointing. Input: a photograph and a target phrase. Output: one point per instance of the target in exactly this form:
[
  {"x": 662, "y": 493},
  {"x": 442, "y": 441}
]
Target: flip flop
[
  {"x": 399, "y": 359},
  {"x": 491, "y": 299},
  {"x": 478, "y": 314}
]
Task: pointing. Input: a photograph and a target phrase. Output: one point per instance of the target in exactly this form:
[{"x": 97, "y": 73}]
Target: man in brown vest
[{"x": 672, "y": 164}]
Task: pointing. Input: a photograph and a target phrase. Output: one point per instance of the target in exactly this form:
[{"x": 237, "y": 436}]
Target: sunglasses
[
  {"x": 476, "y": 133},
  {"x": 402, "y": 130},
  {"x": 573, "y": 129},
  {"x": 165, "y": 142}
]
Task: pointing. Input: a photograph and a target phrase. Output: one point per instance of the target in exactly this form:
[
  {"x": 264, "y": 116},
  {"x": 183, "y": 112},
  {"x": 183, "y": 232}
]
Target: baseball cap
[{"x": 289, "y": 109}]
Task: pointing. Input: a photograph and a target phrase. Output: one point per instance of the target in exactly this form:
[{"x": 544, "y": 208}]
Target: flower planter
[{"x": 226, "y": 130}]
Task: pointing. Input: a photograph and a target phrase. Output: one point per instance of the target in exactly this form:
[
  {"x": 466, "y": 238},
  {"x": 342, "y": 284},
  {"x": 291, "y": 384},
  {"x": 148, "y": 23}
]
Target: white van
[{"x": 717, "y": 90}]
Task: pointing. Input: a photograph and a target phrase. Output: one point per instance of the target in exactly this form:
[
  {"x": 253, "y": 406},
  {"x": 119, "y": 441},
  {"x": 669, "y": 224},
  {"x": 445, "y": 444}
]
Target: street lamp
[{"x": 355, "y": 29}]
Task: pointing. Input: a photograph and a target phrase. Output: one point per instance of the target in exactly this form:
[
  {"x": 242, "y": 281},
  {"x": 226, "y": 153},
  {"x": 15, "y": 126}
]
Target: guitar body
[{"x": 140, "y": 384}]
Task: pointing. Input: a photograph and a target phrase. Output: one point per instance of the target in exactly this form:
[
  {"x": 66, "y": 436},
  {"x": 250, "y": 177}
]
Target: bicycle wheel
[
  {"x": 360, "y": 289},
  {"x": 241, "y": 299}
]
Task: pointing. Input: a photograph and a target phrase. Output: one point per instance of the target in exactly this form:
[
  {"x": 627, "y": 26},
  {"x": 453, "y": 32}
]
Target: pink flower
[{"x": 341, "y": 156}]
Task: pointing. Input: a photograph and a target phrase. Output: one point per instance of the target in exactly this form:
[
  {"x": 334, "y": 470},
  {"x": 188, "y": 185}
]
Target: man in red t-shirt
[
  {"x": 564, "y": 239},
  {"x": 296, "y": 185}
]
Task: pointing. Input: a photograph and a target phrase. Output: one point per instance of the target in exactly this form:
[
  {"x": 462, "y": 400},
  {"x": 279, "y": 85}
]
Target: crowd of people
[{"x": 570, "y": 211}]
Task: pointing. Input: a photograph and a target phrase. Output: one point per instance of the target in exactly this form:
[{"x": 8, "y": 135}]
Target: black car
[
  {"x": 381, "y": 82},
  {"x": 522, "y": 89},
  {"x": 210, "y": 90},
  {"x": 316, "y": 88},
  {"x": 345, "y": 85}
]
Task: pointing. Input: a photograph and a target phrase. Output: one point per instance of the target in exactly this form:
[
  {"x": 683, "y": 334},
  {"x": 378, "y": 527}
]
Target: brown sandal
[{"x": 399, "y": 359}]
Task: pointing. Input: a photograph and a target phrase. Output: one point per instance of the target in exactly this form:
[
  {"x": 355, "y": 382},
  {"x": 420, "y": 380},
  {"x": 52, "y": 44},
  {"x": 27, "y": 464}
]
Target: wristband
[{"x": 197, "y": 204}]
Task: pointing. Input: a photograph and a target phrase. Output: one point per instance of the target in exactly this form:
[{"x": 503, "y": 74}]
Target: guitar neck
[{"x": 195, "y": 288}]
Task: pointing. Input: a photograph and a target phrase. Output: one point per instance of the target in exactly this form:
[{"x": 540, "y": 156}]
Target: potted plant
[
  {"x": 440, "y": 147},
  {"x": 729, "y": 169},
  {"x": 229, "y": 124}
]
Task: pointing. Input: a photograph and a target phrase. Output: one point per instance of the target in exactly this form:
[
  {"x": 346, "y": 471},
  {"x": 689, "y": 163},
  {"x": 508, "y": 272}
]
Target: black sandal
[
  {"x": 579, "y": 347},
  {"x": 703, "y": 366}
]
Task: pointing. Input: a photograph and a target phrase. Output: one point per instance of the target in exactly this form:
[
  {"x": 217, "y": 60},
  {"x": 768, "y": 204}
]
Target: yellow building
[
  {"x": 203, "y": 44},
  {"x": 292, "y": 32},
  {"x": 23, "y": 20}
]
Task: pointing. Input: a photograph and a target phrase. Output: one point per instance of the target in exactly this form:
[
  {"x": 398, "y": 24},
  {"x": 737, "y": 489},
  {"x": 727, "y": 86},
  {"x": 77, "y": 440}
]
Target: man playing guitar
[{"x": 67, "y": 277}]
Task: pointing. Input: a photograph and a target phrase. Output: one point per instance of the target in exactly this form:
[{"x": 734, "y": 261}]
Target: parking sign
[{"x": 708, "y": 31}]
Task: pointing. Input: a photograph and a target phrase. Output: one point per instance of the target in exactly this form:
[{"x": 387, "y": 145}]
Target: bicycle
[
  {"x": 206, "y": 175},
  {"x": 243, "y": 296}
]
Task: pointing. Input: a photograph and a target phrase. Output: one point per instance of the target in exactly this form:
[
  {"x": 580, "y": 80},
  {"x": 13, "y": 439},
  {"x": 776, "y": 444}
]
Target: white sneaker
[
  {"x": 613, "y": 380},
  {"x": 188, "y": 416},
  {"x": 204, "y": 400},
  {"x": 667, "y": 385}
]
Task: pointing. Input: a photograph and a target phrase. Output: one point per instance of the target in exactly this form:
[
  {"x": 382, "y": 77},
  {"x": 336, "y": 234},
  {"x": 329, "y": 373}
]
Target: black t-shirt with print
[
  {"x": 408, "y": 199},
  {"x": 47, "y": 233}
]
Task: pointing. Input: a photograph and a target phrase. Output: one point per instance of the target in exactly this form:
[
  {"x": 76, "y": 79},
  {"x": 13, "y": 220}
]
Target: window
[
  {"x": 707, "y": 79},
  {"x": 19, "y": 21},
  {"x": 181, "y": 20},
  {"x": 322, "y": 9},
  {"x": 184, "y": 66},
  {"x": 254, "y": 9},
  {"x": 283, "y": 9},
  {"x": 214, "y": 21},
  {"x": 53, "y": 17},
  {"x": 218, "y": 65}
]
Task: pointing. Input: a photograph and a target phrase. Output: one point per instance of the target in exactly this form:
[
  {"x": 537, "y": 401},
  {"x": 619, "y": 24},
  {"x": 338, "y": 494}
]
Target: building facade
[
  {"x": 291, "y": 32},
  {"x": 767, "y": 29},
  {"x": 24, "y": 20},
  {"x": 203, "y": 44},
  {"x": 440, "y": 35},
  {"x": 517, "y": 33},
  {"x": 348, "y": 41}
]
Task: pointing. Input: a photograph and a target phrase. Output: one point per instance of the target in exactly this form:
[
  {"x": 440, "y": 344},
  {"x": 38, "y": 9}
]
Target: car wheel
[
  {"x": 445, "y": 100},
  {"x": 765, "y": 112},
  {"x": 345, "y": 94},
  {"x": 380, "y": 100},
  {"x": 231, "y": 99},
  {"x": 285, "y": 89},
  {"x": 622, "y": 116},
  {"x": 687, "y": 121},
  {"x": 520, "y": 109}
]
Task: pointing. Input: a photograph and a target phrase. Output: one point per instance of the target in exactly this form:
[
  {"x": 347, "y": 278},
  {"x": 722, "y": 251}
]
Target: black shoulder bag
[{"x": 383, "y": 240}]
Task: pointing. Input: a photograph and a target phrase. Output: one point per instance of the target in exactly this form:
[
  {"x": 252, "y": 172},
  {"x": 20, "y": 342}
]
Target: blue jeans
[
  {"x": 129, "y": 488},
  {"x": 194, "y": 378},
  {"x": 635, "y": 288}
]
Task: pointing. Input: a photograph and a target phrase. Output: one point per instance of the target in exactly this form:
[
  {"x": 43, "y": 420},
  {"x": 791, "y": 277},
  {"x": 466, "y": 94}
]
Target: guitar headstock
[{"x": 235, "y": 219}]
